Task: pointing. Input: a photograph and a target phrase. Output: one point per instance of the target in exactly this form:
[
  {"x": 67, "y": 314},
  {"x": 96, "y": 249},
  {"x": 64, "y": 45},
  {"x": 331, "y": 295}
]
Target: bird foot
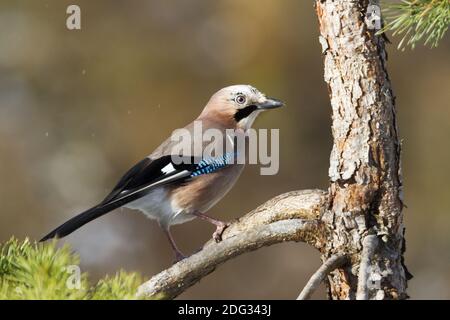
[{"x": 217, "y": 235}]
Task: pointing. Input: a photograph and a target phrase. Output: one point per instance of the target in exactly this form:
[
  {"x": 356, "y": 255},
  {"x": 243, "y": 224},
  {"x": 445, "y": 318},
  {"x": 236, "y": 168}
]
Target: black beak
[{"x": 270, "y": 103}]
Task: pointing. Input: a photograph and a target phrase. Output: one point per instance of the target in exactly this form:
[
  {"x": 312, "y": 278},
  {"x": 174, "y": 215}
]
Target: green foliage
[
  {"x": 416, "y": 20},
  {"x": 122, "y": 286},
  {"x": 43, "y": 271}
]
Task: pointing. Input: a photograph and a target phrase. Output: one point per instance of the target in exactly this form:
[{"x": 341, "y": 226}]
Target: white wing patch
[{"x": 168, "y": 169}]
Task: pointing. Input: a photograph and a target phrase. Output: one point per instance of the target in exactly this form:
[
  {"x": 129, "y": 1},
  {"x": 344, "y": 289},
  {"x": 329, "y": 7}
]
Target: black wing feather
[
  {"x": 147, "y": 172},
  {"x": 135, "y": 183},
  {"x": 128, "y": 178}
]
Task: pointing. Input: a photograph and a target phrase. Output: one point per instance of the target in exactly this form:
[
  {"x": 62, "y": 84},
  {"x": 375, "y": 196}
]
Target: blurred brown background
[{"x": 77, "y": 108}]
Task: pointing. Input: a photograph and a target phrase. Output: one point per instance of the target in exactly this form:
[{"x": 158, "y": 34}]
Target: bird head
[{"x": 238, "y": 106}]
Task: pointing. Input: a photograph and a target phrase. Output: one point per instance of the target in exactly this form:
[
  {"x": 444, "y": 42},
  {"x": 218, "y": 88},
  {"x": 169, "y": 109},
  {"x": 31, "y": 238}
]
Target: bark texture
[
  {"x": 334, "y": 262},
  {"x": 365, "y": 195},
  {"x": 293, "y": 216}
]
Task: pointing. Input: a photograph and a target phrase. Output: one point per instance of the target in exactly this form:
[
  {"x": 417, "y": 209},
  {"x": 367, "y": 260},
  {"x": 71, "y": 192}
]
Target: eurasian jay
[{"x": 174, "y": 188}]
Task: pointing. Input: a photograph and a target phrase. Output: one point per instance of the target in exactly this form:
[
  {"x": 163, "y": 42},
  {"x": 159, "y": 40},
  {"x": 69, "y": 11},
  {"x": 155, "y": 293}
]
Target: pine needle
[
  {"x": 44, "y": 272},
  {"x": 417, "y": 20}
]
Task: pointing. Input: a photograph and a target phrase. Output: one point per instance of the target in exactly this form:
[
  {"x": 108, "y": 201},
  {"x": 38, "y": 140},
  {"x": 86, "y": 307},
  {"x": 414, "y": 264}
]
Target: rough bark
[
  {"x": 365, "y": 195},
  {"x": 332, "y": 263},
  {"x": 293, "y": 216}
]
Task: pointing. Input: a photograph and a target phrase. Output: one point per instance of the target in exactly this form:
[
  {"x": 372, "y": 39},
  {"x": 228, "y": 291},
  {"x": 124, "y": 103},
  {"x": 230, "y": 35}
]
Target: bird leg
[
  {"x": 220, "y": 225},
  {"x": 178, "y": 254}
]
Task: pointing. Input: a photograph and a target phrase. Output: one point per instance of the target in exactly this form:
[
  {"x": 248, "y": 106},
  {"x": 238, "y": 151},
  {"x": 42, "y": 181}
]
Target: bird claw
[{"x": 217, "y": 235}]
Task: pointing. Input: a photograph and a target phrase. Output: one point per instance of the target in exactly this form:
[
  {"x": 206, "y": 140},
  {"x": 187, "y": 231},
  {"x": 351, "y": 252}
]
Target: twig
[
  {"x": 289, "y": 217},
  {"x": 316, "y": 279},
  {"x": 370, "y": 243}
]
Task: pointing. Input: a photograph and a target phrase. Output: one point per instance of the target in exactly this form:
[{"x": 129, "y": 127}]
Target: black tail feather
[
  {"x": 77, "y": 222},
  {"x": 91, "y": 214},
  {"x": 117, "y": 199}
]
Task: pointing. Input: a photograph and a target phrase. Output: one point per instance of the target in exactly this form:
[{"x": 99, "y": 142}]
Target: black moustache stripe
[{"x": 244, "y": 112}]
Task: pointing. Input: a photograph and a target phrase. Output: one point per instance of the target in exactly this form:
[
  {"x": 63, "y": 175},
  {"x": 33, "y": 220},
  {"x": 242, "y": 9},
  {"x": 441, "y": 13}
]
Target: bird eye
[{"x": 240, "y": 99}]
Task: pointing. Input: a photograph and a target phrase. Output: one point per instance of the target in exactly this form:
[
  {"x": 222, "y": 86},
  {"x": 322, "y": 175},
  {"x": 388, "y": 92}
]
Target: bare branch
[
  {"x": 292, "y": 216},
  {"x": 316, "y": 279},
  {"x": 370, "y": 243}
]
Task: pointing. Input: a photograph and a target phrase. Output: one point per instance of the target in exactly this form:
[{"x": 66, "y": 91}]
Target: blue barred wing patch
[{"x": 212, "y": 164}]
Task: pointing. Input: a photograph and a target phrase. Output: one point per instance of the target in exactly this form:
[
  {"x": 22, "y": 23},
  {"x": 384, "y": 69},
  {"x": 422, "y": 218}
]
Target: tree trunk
[{"x": 365, "y": 194}]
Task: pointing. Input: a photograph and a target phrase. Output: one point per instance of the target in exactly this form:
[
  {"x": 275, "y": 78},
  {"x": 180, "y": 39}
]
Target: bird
[{"x": 174, "y": 187}]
